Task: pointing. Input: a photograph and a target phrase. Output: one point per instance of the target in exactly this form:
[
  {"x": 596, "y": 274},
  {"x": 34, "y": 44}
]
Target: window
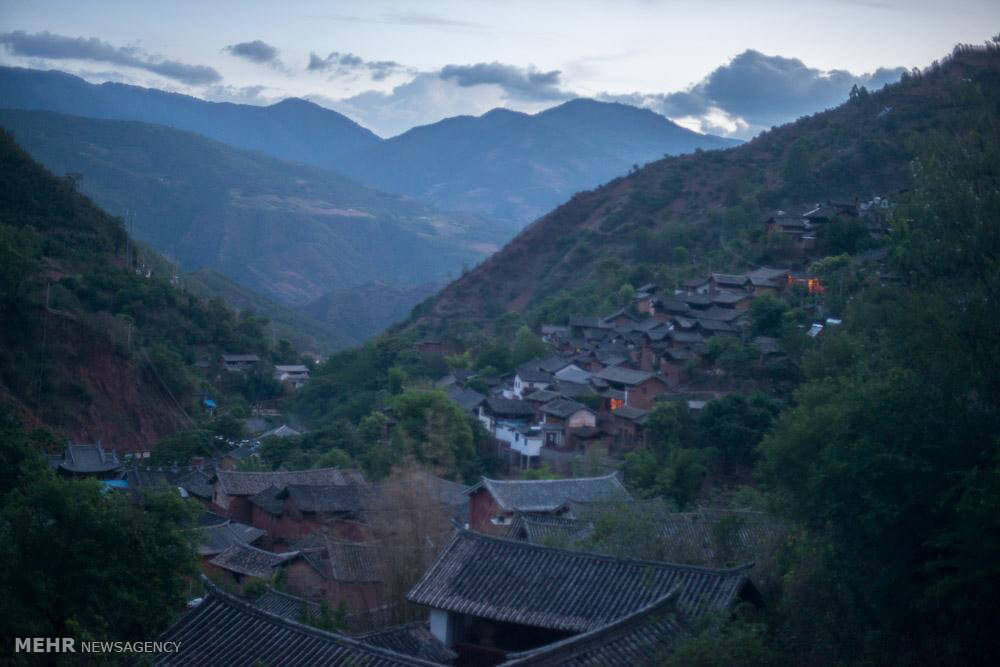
[{"x": 501, "y": 520}]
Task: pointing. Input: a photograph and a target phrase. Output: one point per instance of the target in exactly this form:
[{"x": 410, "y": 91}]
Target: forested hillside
[
  {"x": 96, "y": 344},
  {"x": 289, "y": 231},
  {"x": 686, "y": 215}
]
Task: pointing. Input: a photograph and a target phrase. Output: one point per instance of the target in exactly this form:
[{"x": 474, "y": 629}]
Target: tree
[
  {"x": 734, "y": 425},
  {"x": 397, "y": 378},
  {"x": 765, "y": 314},
  {"x": 527, "y": 346},
  {"x": 86, "y": 564}
]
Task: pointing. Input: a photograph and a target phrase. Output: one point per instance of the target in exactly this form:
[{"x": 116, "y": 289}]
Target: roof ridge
[
  {"x": 536, "y": 481},
  {"x": 668, "y": 601},
  {"x": 598, "y": 556}
]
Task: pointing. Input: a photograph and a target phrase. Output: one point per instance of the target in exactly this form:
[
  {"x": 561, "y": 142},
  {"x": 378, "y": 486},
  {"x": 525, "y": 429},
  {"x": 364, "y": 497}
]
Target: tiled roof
[
  {"x": 563, "y": 408},
  {"x": 196, "y": 483},
  {"x": 766, "y": 277},
  {"x": 224, "y": 630},
  {"x": 542, "y": 396},
  {"x": 722, "y": 314},
  {"x": 534, "y": 376},
  {"x": 546, "y": 529},
  {"x": 621, "y": 375},
  {"x": 730, "y": 279},
  {"x": 509, "y": 407},
  {"x": 547, "y": 495},
  {"x": 346, "y": 498},
  {"x": 285, "y": 605},
  {"x": 411, "y": 639},
  {"x": 720, "y": 536},
  {"x": 236, "y": 358},
  {"x": 467, "y": 399},
  {"x": 268, "y": 501},
  {"x": 251, "y": 561},
  {"x": 527, "y": 584},
  {"x": 640, "y": 639},
  {"x": 630, "y": 413},
  {"x": 283, "y": 431},
  {"x": 89, "y": 459},
  {"x": 341, "y": 560},
  {"x": 715, "y": 326},
  {"x": 219, "y": 537},
  {"x": 238, "y": 483}
]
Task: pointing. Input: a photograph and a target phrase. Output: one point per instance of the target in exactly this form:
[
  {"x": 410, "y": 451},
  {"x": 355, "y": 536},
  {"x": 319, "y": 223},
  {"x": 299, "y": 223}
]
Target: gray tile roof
[
  {"x": 251, "y": 561},
  {"x": 341, "y": 560},
  {"x": 224, "y": 630},
  {"x": 619, "y": 375},
  {"x": 349, "y": 498},
  {"x": 546, "y": 529},
  {"x": 239, "y": 483},
  {"x": 637, "y": 415},
  {"x": 564, "y": 408},
  {"x": 509, "y": 407},
  {"x": 411, "y": 639},
  {"x": 547, "y": 495},
  {"x": 86, "y": 459},
  {"x": 542, "y": 396},
  {"x": 467, "y": 399},
  {"x": 640, "y": 639},
  {"x": 534, "y": 376},
  {"x": 285, "y": 605},
  {"x": 528, "y": 584},
  {"x": 217, "y": 538},
  {"x": 268, "y": 501}
]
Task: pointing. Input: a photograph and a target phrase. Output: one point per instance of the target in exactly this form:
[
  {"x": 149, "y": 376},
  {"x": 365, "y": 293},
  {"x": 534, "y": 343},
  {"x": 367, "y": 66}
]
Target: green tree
[
  {"x": 766, "y": 313},
  {"x": 527, "y": 346}
]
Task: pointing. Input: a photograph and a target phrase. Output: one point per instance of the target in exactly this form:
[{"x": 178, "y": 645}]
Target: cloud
[
  {"x": 60, "y": 47},
  {"x": 347, "y": 63},
  {"x": 755, "y": 91},
  {"x": 256, "y": 51},
  {"x": 240, "y": 95},
  {"x": 517, "y": 83}
]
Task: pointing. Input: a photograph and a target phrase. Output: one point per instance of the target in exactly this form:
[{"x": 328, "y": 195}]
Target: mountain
[
  {"x": 293, "y": 129},
  {"x": 289, "y": 231},
  {"x": 688, "y": 215},
  {"x": 365, "y": 311},
  {"x": 96, "y": 343},
  {"x": 515, "y": 167},
  {"x": 505, "y": 165}
]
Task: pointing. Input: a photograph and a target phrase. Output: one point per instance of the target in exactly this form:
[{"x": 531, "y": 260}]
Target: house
[
  {"x": 467, "y": 399},
  {"x": 494, "y": 410},
  {"x": 697, "y": 285},
  {"x": 295, "y": 510},
  {"x": 339, "y": 571},
  {"x": 281, "y": 432},
  {"x": 252, "y": 635},
  {"x": 641, "y": 387},
  {"x": 414, "y": 639},
  {"x": 734, "y": 300},
  {"x": 293, "y": 376},
  {"x": 493, "y": 503},
  {"x": 492, "y": 594},
  {"x": 88, "y": 460},
  {"x": 217, "y": 534},
  {"x": 628, "y": 428},
  {"x": 242, "y": 563},
  {"x": 619, "y": 318},
  {"x": 523, "y": 442},
  {"x": 728, "y": 281},
  {"x": 769, "y": 281},
  {"x": 674, "y": 363},
  {"x": 527, "y": 380},
  {"x": 237, "y": 363},
  {"x": 561, "y": 417},
  {"x": 233, "y": 489}
]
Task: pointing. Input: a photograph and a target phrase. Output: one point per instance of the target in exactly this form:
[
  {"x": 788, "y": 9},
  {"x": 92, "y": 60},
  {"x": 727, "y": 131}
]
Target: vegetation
[{"x": 83, "y": 563}]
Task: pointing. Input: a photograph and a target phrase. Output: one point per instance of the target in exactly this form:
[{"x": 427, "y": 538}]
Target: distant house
[
  {"x": 233, "y": 489},
  {"x": 237, "y": 363},
  {"x": 527, "y": 380},
  {"x": 769, "y": 281},
  {"x": 728, "y": 281},
  {"x": 561, "y": 417},
  {"x": 217, "y": 533},
  {"x": 340, "y": 571},
  {"x": 296, "y": 510},
  {"x": 641, "y": 387},
  {"x": 495, "y": 410},
  {"x": 242, "y": 563},
  {"x": 493, "y": 503},
  {"x": 628, "y": 428},
  {"x": 619, "y": 318},
  {"x": 88, "y": 460},
  {"x": 468, "y": 399},
  {"x": 501, "y": 596},
  {"x": 293, "y": 376},
  {"x": 281, "y": 432}
]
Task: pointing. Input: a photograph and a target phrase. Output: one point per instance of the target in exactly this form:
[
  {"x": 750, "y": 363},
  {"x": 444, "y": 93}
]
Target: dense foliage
[{"x": 79, "y": 562}]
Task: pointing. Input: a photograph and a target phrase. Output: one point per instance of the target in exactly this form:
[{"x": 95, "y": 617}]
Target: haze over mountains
[
  {"x": 507, "y": 165},
  {"x": 292, "y": 232}
]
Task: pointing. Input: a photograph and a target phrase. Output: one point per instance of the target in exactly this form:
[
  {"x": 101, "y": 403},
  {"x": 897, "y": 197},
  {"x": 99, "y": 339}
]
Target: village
[{"x": 418, "y": 569}]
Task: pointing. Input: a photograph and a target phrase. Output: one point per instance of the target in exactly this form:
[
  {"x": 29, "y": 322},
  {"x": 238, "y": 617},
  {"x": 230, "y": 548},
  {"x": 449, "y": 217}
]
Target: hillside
[
  {"x": 289, "y": 231},
  {"x": 96, "y": 344},
  {"x": 513, "y": 166},
  {"x": 682, "y": 216},
  {"x": 291, "y": 130}
]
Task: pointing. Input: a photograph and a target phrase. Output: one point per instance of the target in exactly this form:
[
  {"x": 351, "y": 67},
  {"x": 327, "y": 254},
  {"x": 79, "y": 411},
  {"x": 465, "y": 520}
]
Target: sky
[{"x": 728, "y": 67}]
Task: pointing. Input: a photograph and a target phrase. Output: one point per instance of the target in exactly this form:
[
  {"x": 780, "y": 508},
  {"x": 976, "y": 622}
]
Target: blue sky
[{"x": 729, "y": 67}]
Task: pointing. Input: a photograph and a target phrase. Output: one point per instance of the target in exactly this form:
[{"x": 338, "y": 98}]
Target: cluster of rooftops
[{"x": 492, "y": 599}]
